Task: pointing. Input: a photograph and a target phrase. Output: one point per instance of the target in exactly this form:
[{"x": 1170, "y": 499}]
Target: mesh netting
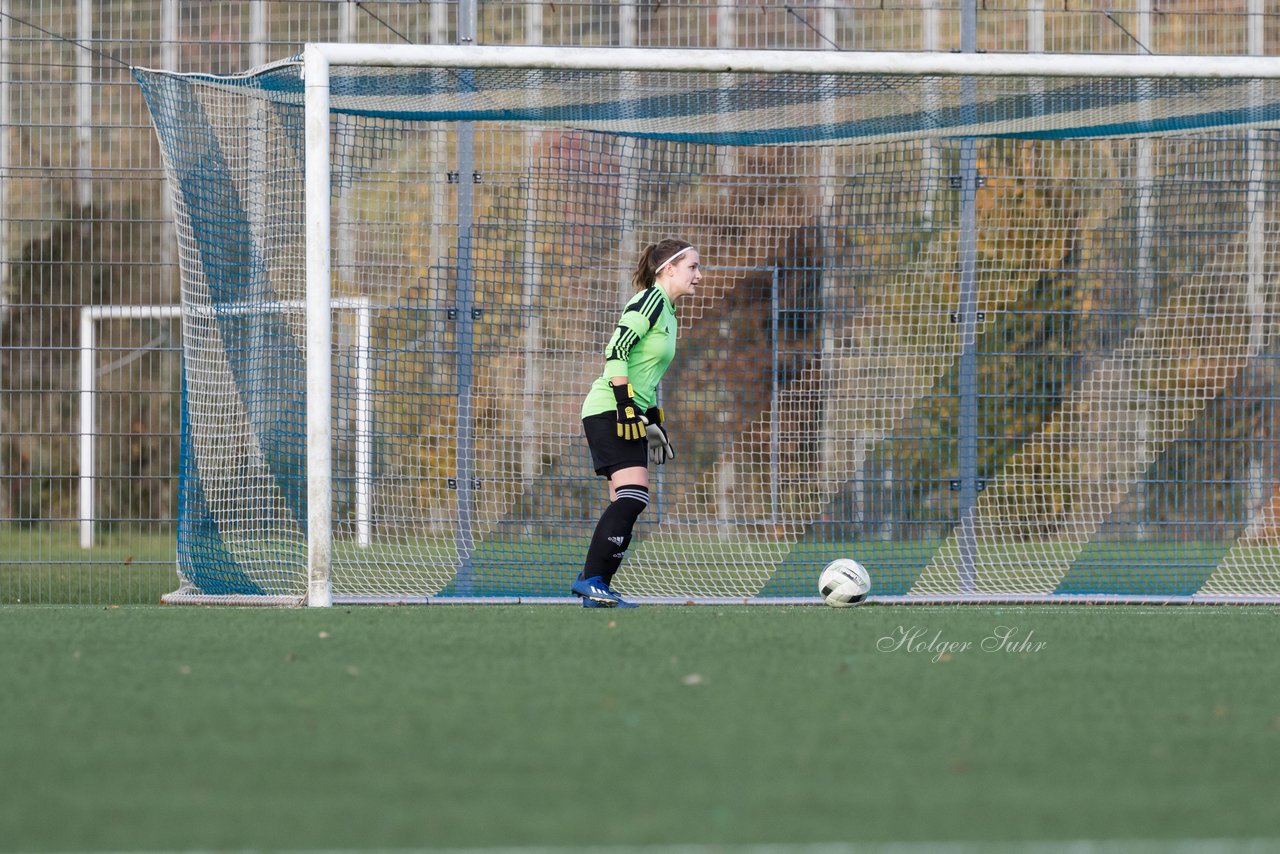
[{"x": 1005, "y": 337}]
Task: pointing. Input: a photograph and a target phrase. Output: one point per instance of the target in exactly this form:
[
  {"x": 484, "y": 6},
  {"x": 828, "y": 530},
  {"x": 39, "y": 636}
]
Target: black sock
[{"x": 613, "y": 532}]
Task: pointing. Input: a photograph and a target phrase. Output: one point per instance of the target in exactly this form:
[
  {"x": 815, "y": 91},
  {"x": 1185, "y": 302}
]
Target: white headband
[{"x": 669, "y": 260}]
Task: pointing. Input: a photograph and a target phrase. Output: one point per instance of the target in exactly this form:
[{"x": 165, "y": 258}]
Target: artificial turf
[{"x": 164, "y": 728}]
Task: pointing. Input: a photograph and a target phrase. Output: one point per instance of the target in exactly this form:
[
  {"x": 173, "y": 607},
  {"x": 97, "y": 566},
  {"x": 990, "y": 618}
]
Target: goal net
[{"x": 998, "y": 327}]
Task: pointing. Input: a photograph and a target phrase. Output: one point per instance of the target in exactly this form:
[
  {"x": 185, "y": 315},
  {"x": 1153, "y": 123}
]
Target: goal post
[
  {"x": 319, "y": 376},
  {"x": 87, "y": 395},
  {"x": 1022, "y": 350}
]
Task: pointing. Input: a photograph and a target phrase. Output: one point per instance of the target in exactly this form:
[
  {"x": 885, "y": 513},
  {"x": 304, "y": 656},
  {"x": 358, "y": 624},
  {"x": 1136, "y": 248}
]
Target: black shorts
[{"x": 608, "y": 452}]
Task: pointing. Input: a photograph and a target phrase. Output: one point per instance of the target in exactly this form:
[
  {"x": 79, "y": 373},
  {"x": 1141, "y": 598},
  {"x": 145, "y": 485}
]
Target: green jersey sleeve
[
  {"x": 640, "y": 315},
  {"x": 641, "y": 348}
]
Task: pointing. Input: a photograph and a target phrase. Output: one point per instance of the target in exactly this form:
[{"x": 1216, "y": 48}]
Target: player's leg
[
  {"x": 629, "y": 490},
  {"x": 625, "y": 464}
]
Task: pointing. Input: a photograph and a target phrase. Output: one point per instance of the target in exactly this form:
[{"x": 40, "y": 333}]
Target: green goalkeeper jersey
[{"x": 640, "y": 349}]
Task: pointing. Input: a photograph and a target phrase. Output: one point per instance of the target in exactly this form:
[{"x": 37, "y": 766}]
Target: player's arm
[
  {"x": 630, "y": 421},
  {"x": 637, "y": 319}
]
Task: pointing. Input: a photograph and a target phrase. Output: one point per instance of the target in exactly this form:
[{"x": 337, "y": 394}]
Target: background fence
[{"x": 89, "y": 393}]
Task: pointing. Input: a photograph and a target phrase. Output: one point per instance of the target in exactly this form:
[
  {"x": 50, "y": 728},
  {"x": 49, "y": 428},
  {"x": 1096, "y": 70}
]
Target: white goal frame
[
  {"x": 318, "y": 58},
  {"x": 87, "y": 478}
]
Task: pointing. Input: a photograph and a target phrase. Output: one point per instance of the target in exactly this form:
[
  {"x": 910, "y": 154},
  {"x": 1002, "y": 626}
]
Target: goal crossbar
[{"x": 792, "y": 62}]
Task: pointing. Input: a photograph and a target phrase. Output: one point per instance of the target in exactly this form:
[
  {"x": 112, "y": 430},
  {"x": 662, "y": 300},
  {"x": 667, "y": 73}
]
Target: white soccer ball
[{"x": 843, "y": 583}]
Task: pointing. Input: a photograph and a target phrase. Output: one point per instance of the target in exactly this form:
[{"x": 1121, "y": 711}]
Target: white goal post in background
[
  {"x": 89, "y": 317},
  {"x": 918, "y": 428}
]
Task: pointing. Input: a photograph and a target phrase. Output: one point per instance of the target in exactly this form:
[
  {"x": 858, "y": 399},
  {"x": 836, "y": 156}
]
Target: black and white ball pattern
[{"x": 844, "y": 582}]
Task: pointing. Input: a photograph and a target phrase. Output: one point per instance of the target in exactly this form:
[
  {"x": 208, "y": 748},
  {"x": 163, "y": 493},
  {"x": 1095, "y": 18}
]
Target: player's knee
[{"x": 631, "y": 501}]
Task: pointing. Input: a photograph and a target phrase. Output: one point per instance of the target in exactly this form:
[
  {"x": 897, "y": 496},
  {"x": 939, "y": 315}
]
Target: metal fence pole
[{"x": 967, "y": 317}]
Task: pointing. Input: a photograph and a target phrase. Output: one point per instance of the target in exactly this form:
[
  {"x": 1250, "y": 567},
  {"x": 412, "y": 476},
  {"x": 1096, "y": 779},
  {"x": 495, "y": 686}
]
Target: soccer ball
[{"x": 844, "y": 582}]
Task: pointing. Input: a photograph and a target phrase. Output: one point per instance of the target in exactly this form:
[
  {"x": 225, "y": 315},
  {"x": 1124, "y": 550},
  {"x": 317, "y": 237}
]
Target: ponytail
[{"x": 654, "y": 257}]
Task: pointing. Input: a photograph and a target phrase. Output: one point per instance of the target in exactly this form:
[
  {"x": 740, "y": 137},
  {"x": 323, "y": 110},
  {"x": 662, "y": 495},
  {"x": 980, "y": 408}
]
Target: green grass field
[
  {"x": 45, "y": 565},
  {"x": 684, "y": 728}
]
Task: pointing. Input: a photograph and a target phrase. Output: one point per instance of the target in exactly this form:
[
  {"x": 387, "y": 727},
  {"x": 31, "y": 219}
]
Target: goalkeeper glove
[
  {"x": 630, "y": 424},
  {"x": 660, "y": 449}
]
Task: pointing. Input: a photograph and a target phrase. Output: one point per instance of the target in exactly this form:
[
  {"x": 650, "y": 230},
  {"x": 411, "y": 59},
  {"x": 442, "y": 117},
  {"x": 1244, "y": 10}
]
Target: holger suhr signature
[{"x": 918, "y": 639}]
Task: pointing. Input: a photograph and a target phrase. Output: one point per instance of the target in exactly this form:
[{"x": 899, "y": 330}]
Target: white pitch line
[{"x": 1261, "y": 845}]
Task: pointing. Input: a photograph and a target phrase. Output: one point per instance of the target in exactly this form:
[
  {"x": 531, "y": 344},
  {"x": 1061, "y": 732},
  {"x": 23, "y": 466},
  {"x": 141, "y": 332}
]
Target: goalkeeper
[{"x": 620, "y": 416}]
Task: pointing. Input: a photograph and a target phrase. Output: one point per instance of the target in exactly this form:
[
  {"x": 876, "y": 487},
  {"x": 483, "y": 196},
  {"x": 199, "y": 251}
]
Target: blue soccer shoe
[
  {"x": 594, "y": 589},
  {"x": 622, "y": 603}
]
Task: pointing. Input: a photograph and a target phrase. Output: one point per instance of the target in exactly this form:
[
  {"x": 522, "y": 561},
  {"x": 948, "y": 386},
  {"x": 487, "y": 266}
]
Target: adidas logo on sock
[{"x": 617, "y": 541}]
